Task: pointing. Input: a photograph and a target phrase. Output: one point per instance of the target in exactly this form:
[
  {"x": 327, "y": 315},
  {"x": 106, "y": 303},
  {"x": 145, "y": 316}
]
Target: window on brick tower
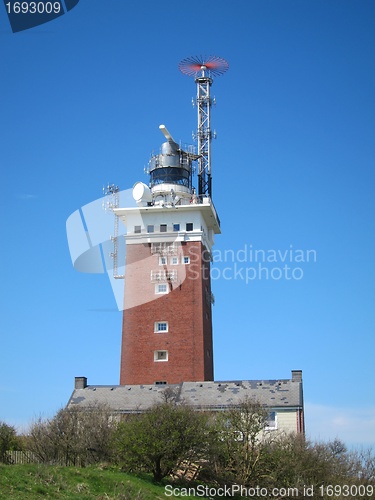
[
  {"x": 161, "y": 326},
  {"x": 161, "y": 288},
  {"x": 186, "y": 259},
  {"x": 162, "y": 261},
  {"x": 174, "y": 261},
  {"x": 160, "y": 355}
]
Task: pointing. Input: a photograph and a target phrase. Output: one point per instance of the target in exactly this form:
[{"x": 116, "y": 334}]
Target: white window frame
[
  {"x": 157, "y": 327},
  {"x": 157, "y": 288},
  {"x": 163, "y": 261},
  {"x": 157, "y": 355},
  {"x": 185, "y": 260},
  {"x": 173, "y": 261}
]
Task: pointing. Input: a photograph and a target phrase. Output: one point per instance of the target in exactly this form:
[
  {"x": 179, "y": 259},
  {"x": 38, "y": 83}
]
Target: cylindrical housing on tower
[{"x": 171, "y": 170}]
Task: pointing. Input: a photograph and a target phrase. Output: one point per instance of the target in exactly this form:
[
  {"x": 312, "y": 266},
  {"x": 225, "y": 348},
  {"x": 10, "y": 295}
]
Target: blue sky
[{"x": 293, "y": 168}]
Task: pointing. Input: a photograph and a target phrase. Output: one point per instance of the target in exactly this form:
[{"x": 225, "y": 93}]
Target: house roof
[{"x": 201, "y": 395}]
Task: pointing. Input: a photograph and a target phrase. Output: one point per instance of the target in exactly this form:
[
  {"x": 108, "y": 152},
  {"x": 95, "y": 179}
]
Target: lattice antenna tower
[
  {"x": 203, "y": 69},
  {"x": 111, "y": 191}
]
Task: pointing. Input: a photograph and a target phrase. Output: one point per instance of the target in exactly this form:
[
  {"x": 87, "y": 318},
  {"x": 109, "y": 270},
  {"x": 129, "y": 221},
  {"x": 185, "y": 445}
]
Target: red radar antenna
[
  {"x": 192, "y": 65},
  {"x": 203, "y": 69}
]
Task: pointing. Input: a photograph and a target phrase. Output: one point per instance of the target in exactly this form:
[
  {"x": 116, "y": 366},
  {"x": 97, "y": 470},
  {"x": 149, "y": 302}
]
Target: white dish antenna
[{"x": 142, "y": 194}]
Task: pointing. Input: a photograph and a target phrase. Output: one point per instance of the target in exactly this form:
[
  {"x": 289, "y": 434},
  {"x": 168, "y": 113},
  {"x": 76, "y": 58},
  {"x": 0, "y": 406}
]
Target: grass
[{"x": 29, "y": 482}]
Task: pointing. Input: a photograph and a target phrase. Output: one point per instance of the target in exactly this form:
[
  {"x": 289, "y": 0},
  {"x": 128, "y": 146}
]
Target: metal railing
[{"x": 163, "y": 275}]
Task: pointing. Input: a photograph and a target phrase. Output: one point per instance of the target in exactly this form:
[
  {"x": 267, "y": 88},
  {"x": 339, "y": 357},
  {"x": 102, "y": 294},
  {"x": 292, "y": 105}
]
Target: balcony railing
[
  {"x": 163, "y": 248},
  {"x": 163, "y": 275}
]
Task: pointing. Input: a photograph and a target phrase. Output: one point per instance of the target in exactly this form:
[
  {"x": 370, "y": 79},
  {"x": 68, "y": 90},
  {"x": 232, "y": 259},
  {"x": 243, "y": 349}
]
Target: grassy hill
[{"x": 29, "y": 482}]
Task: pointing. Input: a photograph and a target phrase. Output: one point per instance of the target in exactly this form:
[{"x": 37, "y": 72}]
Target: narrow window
[
  {"x": 137, "y": 229},
  {"x": 161, "y": 326},
  {"x": 163, "y": 228},
  {"x": 161, "y": 288},
  {"x": 271, "y": 421},
  {"x": 160, "y": 355},
  {"x": 162, "y": 261},
  {"x": 185, "y": 259},
  {"x": 189, "y": 226}
]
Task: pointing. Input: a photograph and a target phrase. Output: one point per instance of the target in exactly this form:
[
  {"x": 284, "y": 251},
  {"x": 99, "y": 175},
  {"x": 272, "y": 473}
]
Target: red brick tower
[{"x": 167, "y": 320}]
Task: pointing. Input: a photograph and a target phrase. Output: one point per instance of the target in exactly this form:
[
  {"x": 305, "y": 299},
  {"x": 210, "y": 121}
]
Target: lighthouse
[
  {"x": 167, "y": 342},
  {"x": 167, "y": 317}
]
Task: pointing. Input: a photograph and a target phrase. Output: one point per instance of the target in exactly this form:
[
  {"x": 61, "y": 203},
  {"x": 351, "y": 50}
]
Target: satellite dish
[{"x": 142, "y": 194}]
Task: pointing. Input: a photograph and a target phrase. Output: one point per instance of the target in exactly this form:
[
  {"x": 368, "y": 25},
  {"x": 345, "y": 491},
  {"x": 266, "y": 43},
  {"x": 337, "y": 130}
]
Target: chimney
[
  {"x": 80, "y": 382},
  {"x": 296, "y": 375}
]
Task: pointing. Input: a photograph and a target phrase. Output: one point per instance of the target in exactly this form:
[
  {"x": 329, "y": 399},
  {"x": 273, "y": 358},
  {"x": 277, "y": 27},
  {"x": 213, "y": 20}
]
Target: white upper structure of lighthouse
[{"x": 171, "y": 200}]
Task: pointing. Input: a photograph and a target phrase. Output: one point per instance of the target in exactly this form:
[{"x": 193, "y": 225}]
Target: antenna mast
[
  {"x": 203, "y": 69},
  {"x": 112, "y": 193}
]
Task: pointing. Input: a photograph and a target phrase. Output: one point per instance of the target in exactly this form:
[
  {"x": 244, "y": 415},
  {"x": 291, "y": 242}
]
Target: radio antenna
[{"x": 203, "y": 69}]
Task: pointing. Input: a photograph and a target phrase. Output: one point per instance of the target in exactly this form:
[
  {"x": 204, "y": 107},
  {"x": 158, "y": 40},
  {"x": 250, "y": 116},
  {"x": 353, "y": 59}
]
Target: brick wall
[{"x": 186, "y": 308}]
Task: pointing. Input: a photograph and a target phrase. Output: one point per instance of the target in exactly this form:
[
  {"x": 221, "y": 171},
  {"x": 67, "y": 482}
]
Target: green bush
[
  {"x": 8, "y": 440},
  {"x": 159, "y": 439}
]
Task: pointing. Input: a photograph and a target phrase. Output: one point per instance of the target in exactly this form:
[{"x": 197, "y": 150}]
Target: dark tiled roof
[{"x": 204, "y": 395}]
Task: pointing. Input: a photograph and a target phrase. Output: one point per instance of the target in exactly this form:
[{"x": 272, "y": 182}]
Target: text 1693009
[{"x": 33, "y": 7}]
